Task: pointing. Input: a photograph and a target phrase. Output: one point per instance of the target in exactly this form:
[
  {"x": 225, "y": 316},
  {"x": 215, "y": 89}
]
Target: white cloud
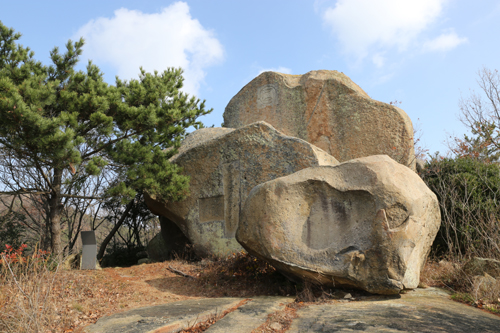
[
  {"x": 365, "y": 27},
  {"x": 170, "y": 38},
  {"x": 378, "y": 60},
  {"x": 444, "y": 42},
  {"x": 280, "y": 69}
]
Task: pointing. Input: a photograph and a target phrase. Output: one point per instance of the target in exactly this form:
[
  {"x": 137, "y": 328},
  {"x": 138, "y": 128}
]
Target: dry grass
[
  {"x": 280, "y": 321},
  {"x": 481, "y": 292},
  {"x": 76, "y": 298},
  {"x": 203, "y": 326},
  {"x": 68, "y": 300},
  {"x": 26, "y": 284},
  {"x": 241, "y": 275}
]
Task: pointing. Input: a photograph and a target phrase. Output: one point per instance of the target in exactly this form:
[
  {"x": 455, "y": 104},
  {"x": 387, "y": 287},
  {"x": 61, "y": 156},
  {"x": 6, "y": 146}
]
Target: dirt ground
[
  {"x": 84, "y": 296},
  {"x": 80, "y": 297}
]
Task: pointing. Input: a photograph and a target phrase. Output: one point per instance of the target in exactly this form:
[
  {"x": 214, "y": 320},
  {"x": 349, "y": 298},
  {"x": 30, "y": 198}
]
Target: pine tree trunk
[{"x": 55, "y": 210}]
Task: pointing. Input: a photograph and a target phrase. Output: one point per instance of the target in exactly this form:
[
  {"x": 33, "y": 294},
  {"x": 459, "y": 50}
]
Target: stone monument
[{"x": 89, "y": 250}]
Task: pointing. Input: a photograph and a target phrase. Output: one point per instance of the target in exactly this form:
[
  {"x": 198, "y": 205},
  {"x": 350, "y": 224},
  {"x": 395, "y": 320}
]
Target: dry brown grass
[
  {"x": 73, "y": 299},
  {"x": 203, "y": 326},
  {"x": 77, "y": 298},
  {"x": 481, "y": 292},
  {"x": 26, "y": 284},
  {"x": 280, "y": 321},
  {"x": 241, "y": 275}
]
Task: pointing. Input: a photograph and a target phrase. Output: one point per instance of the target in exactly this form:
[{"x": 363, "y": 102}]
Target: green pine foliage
[
  {"x": 468, "y": 191},
  {"x": 61, "y": 127}
]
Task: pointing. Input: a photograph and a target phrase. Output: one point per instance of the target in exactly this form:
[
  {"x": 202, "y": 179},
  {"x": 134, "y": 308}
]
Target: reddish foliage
[{"x": 12, "y": 255}]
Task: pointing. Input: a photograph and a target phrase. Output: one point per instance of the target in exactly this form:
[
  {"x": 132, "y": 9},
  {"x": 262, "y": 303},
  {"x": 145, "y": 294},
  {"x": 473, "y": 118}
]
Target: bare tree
[{"x": 480, "y": 113}]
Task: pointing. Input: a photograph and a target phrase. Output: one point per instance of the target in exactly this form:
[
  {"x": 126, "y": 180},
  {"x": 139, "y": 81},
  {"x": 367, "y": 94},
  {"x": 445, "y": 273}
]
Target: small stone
[
  {"x": 143, "y": 261},
  {"x": 481, "y": 266},
  {"x": 339, "y": 294},
  {"x": 275, "y": 326},
  {"x": 423, "y": 285}
]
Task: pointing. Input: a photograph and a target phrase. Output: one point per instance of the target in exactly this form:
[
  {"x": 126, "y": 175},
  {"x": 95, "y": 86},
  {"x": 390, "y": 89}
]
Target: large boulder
[
  {"x": 367, "y": 223},
  {"x": 224, "y": 165},
  {"x": 328, "y": 110}
]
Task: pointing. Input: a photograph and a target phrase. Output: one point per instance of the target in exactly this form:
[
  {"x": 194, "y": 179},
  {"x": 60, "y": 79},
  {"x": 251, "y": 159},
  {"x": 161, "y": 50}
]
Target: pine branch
[{"x": 108, "y": 144}]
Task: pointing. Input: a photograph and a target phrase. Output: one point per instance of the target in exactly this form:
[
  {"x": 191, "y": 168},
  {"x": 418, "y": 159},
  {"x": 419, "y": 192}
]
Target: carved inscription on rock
[
  {"x": 211, "y": 209},
  {"x": 266, "y": 96},
  {"x": 337, "y": 213},
  {"x": 231, "y": 181}
]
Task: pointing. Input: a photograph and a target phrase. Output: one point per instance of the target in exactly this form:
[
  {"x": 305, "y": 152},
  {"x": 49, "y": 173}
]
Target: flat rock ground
[
  {"x": 421, "y": 310},
  {"x": 83, "y": 297}
]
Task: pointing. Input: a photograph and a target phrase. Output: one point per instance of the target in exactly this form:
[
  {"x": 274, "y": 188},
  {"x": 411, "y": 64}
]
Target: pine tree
[{"x": 60, "y": 128}]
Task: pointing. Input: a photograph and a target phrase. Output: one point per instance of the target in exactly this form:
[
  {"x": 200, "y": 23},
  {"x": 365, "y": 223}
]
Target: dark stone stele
[{"x": 89, "y": 250}]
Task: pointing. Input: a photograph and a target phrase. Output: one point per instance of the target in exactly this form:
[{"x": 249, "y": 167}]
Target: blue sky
[{"x": 423, "y": 53}]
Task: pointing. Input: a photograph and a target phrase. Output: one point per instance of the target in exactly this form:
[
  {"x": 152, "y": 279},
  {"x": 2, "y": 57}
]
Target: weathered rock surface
[
  {"x": 202, "y": 135},
  {"x": 157, "y": 249},
  {"x": 327, "y": 109},
  {"x": 367, "y": 223},
  {"x": 168, "y": 318},
  {"x": 484, "y": 283},
  {"x": 224, "y": 166},
  {"x": 421, "y": 310}
]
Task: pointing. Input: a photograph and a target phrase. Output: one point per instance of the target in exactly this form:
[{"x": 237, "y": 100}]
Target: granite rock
[
  {"x": 367, "y": 223},
  {"x": 223, "y": 169},
  {"x": 327, "y": 109}
]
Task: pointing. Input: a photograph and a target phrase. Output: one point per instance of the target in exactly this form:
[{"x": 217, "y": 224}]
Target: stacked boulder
[
  {"x": 224, "y": 165},
  {"x": 327, "y": 109},
  {"x": 365, "y": 223}
]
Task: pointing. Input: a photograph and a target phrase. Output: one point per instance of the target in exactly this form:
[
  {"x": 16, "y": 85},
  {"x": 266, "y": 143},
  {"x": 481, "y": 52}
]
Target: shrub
[
  {"x": 11, "y": 230},
  {"x": 468, "y": 191},
  {"x": 240, "y": 274},
  {"x": 26, "y": 283},
  {"x": 479, "y": 291}
]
